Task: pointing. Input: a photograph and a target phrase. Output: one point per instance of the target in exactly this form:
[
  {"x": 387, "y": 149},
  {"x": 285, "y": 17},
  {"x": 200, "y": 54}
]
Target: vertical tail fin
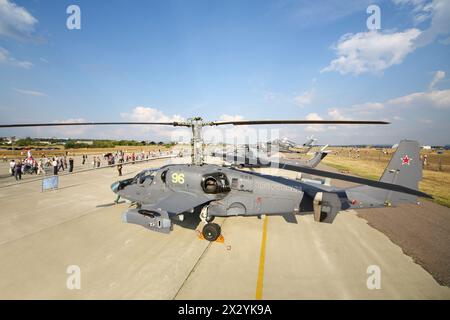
[
  {"x": 404, "y": 169},
  {"x": 318, "y": 156}
]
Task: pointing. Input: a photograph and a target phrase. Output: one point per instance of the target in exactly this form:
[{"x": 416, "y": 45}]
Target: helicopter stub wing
[
  {"x": 158, "y": 217},
  {"x": 181, "y": 201}
]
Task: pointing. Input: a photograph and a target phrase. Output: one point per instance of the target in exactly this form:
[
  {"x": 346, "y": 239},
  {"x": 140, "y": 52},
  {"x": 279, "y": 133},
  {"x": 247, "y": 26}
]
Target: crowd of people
[
  {"x": 56, "y": 164},
  {"x": 30, "y": 165}
]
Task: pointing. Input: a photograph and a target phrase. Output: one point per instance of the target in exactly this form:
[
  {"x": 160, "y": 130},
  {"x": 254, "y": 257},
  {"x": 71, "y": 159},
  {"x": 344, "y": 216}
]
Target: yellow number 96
[{"x": 178, "y": 177}]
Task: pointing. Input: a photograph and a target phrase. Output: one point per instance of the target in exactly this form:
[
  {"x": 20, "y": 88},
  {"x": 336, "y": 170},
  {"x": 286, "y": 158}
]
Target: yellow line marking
[{"x": 262, "y": 259}]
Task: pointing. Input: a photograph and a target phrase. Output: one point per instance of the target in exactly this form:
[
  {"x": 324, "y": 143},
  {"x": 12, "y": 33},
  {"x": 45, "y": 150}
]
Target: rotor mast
[{"x": 197, "y": 144}]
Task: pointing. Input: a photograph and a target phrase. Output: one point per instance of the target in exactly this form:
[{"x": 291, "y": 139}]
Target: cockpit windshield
[{"x": 145, "y": 175}]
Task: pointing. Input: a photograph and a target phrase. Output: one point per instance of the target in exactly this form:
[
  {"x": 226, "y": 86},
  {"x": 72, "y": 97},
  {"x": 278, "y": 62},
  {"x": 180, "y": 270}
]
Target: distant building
[
  {"x": 426, "y": 147},
  {"x": 11, "y": 140},
  {"x": 89, "y": 142}
]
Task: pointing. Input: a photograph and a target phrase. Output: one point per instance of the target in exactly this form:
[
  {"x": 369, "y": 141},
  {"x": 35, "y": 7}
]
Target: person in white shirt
[
  {"x": 12, "y": 164},
  {"x": 55, "y": 167},
  {"x": 40, "y": 168}
]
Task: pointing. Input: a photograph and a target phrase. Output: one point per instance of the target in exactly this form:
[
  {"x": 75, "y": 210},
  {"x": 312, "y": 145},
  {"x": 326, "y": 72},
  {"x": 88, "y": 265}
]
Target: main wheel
[{"x": 211, "y": 231}]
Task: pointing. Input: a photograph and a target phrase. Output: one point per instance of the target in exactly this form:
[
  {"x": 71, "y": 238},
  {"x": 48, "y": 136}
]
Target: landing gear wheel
[{"x": 211, "y": 231}]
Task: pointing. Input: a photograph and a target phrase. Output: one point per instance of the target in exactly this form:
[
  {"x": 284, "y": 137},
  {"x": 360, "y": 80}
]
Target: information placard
[{"x": 50, "y": 183}]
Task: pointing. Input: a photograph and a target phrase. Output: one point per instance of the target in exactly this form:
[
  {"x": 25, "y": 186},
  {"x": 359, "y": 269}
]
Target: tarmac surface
[{"x": 43, "y": 233}]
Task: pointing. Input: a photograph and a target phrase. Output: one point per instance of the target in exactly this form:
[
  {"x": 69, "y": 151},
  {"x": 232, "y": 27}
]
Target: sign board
[{"x": 50, "y": 183}]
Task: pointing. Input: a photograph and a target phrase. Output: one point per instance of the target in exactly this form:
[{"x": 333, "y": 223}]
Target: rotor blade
[
  {"x": 333, "y": 175},
  {"x": 251, "y": 122},
  {"x": 55, "y": 124}
]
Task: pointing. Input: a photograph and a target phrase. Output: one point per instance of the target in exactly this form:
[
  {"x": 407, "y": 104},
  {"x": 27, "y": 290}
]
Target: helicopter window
[
  {"x": 145, "y": 175},
  {"x": 211, "y": 185},
  {"x": 215, "y": 183}
]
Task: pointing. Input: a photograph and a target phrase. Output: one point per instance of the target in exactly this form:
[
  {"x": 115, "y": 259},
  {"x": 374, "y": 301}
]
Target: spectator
[
  {"x": 70, "y": 164},
  {"x": 60, "y": 163},
  {"x": 35, "y": 167},
  {"x": 424, "y": 160},
  {"x": 40, "y": 167},
  {"x": 55, "y": 167},
  {"x": 18, "y": 171},
  {"x": 12, "y": 164},
  {"x": 119, "y": 168}
]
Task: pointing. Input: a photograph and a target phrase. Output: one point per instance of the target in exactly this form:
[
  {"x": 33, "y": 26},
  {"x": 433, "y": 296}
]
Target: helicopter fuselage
[{"x": 227, "y": 191}]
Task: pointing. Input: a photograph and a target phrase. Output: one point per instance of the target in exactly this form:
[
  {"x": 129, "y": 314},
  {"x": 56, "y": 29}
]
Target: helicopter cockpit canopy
[{"x": 145, "y": 175}]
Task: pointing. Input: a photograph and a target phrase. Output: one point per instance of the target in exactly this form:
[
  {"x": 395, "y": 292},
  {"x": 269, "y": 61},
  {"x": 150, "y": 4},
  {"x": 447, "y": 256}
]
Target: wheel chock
[{"x": 200, "y": 236}]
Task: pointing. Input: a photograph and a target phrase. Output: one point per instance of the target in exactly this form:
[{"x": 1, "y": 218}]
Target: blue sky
[{"x": 164, "y": 60}]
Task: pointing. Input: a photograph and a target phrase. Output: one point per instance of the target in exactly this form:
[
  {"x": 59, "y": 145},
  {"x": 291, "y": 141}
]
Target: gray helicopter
[
  {"x": 288, "y": 146},
  {"x": 267, "y": 156},
  {"x": 165, "y": 195},
  {"x": 172, "y": 191}
]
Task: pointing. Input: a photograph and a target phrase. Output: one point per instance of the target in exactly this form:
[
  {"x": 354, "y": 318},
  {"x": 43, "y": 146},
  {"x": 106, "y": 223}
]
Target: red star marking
[{"x": 406, "y": 160}]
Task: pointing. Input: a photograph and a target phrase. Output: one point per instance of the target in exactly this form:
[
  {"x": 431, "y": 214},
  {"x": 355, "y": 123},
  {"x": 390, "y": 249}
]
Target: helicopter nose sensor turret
[{"x": 115, "y": 187}]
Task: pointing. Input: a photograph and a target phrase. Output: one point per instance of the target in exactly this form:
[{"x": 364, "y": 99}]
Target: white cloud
[
  {"x": 371, "y": 51},
  {"x": 408, "y": 111},
  {"x": 412, "y": 116},
  {"x": 15, "y": 21},
  {"x": 335, "y": 114},
  {"x": 313, "y": 116},
  {"x": 438, "y": 76},
  {"x": 154, "y": 132},
  {"x": 230, "y": 134},
  {"x": 439, "y": 13},
  {"x": 146, "y": 114},
  {"x": 305, "y": 98},
  {"x": 439, "y": 99},
  {"x": 227, "y": 117},
  {"x": 422, "y": 10},
  {"x": 435, "y": 99},
  {"x": 316, "y": 127},
  {"x": 6, "y": 58},
  {"x": 30, "y": 92},
  {"x": 374, "y": 51}
]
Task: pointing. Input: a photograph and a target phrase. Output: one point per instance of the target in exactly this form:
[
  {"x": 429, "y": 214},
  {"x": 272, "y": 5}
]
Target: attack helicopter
[
  {"x": 266, "y": 155},
  {"x": 165, "y": 195},
  {"x": 288, "y": 146}
]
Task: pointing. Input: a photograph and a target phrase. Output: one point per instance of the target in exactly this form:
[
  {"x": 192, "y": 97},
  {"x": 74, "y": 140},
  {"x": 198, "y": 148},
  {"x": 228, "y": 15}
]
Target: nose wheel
[{"x": 211, "y": 231}]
